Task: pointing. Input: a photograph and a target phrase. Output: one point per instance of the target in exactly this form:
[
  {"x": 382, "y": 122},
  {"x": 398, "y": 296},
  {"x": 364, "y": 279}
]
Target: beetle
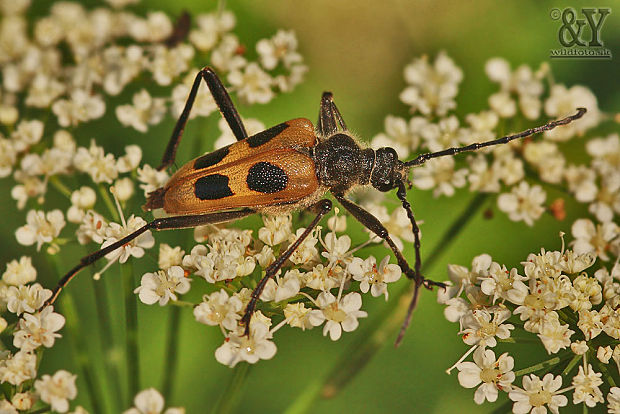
[{"x": 288, "y": 167}]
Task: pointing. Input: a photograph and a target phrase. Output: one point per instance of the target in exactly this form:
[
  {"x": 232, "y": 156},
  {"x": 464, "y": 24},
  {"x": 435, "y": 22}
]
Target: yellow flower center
[
  {"x": 541, "y": 398},
  {"x": 334, "y": 313}
]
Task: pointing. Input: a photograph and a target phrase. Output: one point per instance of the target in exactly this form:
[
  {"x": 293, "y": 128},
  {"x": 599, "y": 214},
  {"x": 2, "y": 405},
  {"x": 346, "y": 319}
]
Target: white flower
[
  {"x": 123, "y": 189},
  {"x": 253, "y": 85},
  {"x": 614, "y": 401},
  {"x": 94, "y": 161},
  {"x": 211, "y": 27},
  {"x": 237, "y": 347},
  {"x": 81, "y": 200},
  {"x": 225, "y": 57},
  {"x": 606, "y": 154},
  {"x": 440, "y": 175},
  {"x": 81, "y": 107},
  {"x": 23, "y": 401},
  {"x": 277, "y": 229},
  {"x": 298, "y": 315},
  {"x": 19, "y": 273},
  {"x": 536, "y": 394},
  {"x": 131, "y": 159},
  {"x": 493, "y": 374},
  {"x": 155, "y": 28},
  {"x": 337, "y": 249},
  {"x": 92, "y": 228},
  {"x": 8, "y": 157},
  {"x": 57, "y": 390},
  {"x": 341, "y": 315},
  {"x": 168, "y": 63},
  {"x": 504, "y": 284},
  {"x": 150, "y": 401},
  {"x": 587, "y": 387},
  {"x": 162, "y": 286},
  {"x": 24, "y": 298},
  {"x": 135, "y": 248},
  {"x": 18, "y": 368},
  {"x": 563, "y": 102},
  {"x": 170, "y": 256},
  {"x": 283, "y": 287},
  {"x": 38, "y": 329},
  {"x": 554, "y": 336},
  {"x": 523, "y": 203},
  {"x": 306, "y": 253},
  {"x": 219, "y": 309},
  {"x": 481, "y": 329},
  {"x": 151, "y": 178},
  {"x": 432, "y": 88},
  {"x": 40, "y": 228},
  {"x": 27, "y": 134},
  {"x": 604, "y": 354},
  {"x": 594, "y": 239},
  {"x": 374, "y": 278},
  {"x": 282, "y": 47}
]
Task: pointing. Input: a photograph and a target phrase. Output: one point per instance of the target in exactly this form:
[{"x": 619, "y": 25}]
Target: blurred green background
[{"x": 358, "y": 50}]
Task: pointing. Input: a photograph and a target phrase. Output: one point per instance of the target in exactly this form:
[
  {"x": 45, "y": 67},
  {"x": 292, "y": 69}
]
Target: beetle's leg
[
  {"x": 167, "y": 223},
  {"x": 224, "y": 103},
  {"x": 329, "y": 116},
  {"x": 421, "y": 159},
  {"x": 374, "y": 225},
  {"x": 320, "y": 208},
  {"x": 401, "y": 193}
]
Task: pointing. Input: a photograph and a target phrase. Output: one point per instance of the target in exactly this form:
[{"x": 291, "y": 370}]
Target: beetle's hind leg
[
  {"x": 224, "y": 104},
  {"x": 321, "y": 208},
  {"x": 167, "y": 223}
]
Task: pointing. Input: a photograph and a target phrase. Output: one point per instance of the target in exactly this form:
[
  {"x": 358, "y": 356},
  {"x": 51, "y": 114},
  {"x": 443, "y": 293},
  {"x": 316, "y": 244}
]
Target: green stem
[
  {"x": 571, "y": 364},
  {"x": 131, "y": 316},
  {"x": 105, "y": 195},
  {"x": 60, "y": 186},
  {"x": 77, "y": 339},
  {"x": 230, "y": 396},
  {"x": 80, "y": 349},
  {"x": 540, "y": 366},
  {"x": 109, "y": 342},
  {"x": 368, "y": 341},
  {"x": 172, "y": 345}
]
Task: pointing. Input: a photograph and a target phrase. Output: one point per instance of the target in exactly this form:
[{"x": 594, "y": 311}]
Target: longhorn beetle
[{"x": 285, "y": 168}]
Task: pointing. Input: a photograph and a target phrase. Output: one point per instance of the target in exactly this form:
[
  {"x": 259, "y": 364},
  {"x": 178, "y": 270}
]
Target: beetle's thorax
[{"x": 342, "y": 163}]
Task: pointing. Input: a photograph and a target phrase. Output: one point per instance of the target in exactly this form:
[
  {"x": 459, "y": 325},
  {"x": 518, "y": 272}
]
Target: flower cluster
[
  {"x": 69, "y": 67},
  {"x": 557, "y": 298},
  {"x": 320, "y": 285},
  {"x": 517, "y": 171}
]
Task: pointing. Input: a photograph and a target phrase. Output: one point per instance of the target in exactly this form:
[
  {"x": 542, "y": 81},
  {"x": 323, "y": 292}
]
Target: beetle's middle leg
[
  {"x": 374, "y": 225},
  {"x": 321, "y": 208},
  {"x": 224, "y": 103}
]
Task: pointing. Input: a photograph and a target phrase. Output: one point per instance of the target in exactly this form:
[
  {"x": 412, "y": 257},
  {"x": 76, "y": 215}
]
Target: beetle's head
[{"x": 388, "y": 170}]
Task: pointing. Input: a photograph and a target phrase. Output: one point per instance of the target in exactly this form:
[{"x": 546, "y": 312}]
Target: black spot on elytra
[
  {"x": 211, "y": 158},
  {"x": 266, "y": 136},
  {"x": 267, "y": 178},
  {"x": 212, "y": 187}
]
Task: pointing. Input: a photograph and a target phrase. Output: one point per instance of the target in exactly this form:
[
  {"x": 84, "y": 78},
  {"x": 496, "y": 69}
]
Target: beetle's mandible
[{"x": 288, "y": 167}]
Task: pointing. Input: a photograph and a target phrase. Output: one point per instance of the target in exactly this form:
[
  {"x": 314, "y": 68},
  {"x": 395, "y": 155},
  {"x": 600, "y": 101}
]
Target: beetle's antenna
[{"x": 421, "y": 159}]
